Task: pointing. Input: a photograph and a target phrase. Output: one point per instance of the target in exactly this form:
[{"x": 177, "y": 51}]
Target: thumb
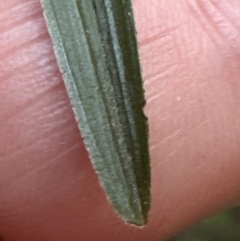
[{"x": 48, "y": 188}]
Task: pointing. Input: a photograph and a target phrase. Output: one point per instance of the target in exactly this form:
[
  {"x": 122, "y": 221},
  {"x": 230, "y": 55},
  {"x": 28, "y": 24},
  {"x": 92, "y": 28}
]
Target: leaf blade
[{"x": 105, "y": 87}]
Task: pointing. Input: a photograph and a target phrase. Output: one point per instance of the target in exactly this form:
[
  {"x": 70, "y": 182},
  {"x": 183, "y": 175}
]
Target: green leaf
[{"x": 96, "y": 49}]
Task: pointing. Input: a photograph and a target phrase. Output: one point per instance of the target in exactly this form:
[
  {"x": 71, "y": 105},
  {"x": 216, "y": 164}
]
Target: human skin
[{"x": 190, "y": 52}]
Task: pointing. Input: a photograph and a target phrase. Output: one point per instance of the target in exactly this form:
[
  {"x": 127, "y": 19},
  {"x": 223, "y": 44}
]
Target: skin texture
[{"x": 190, "y": 53}]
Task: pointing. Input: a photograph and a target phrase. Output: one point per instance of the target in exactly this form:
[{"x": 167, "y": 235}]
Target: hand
[{"x": 190, "y": 53}]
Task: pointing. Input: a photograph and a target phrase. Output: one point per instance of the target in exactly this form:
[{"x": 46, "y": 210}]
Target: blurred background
[{"x": 224, "y": 226}]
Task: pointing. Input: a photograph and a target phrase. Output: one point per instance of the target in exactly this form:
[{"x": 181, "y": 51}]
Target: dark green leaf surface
[{"x": 96, "y": 49}]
